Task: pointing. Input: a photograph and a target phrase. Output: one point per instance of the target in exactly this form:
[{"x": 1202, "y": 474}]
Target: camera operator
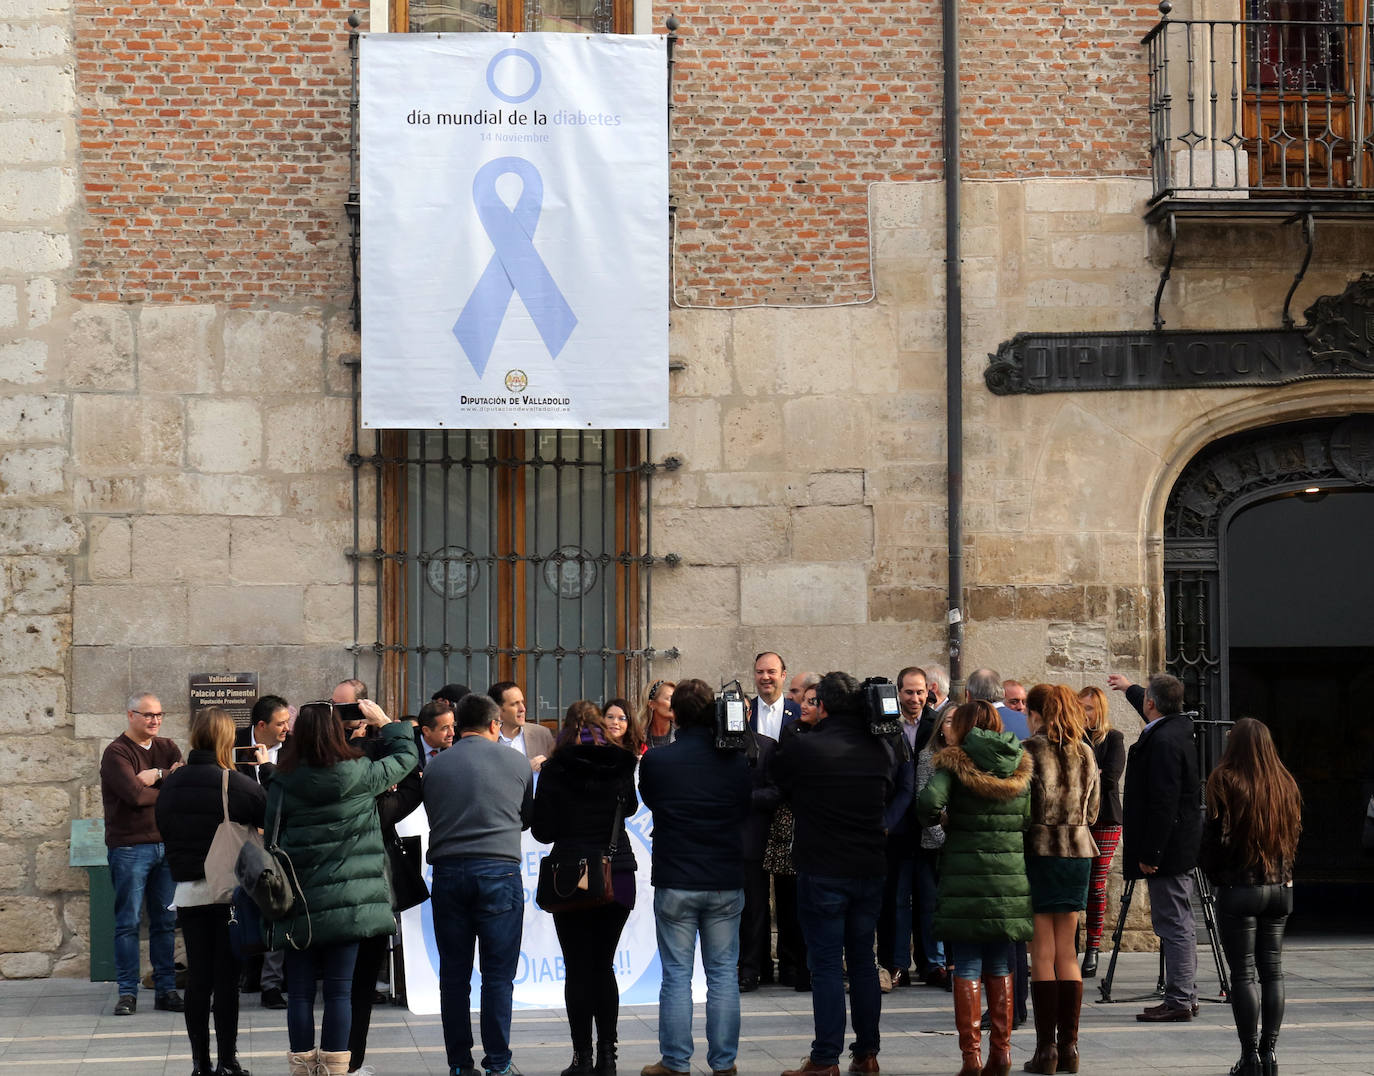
[
  {"x": 700, "y": 797},
  {"x": 838, "y": 779}
]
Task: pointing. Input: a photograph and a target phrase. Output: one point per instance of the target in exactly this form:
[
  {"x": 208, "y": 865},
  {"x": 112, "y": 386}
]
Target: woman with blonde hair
[
  {"x": 657, "y": 718},
  {"x": 1059, "y": 856},
  {"x": 980, "y": 794},
  {"x": 1109, "y": 748},
  {"x": 189, "y": 809},
  {"x": 1249, "y": 839}
]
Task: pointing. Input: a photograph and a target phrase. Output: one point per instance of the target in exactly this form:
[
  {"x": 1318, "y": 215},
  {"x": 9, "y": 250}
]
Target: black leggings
[
  {"x": 371, "y": 953},
  {"x": 590, "y": 991},
  {"x": 1251, "y": 920},
  {"x": 211, "y": 969}
]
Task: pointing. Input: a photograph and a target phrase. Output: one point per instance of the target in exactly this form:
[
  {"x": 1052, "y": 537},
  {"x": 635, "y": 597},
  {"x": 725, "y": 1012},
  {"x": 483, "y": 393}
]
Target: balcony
[{"x": 1262, "y": 116}]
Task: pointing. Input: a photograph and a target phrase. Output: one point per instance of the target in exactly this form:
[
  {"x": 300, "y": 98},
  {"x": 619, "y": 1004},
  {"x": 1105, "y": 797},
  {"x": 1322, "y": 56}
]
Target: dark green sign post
[{"x": 88, "y": 850}]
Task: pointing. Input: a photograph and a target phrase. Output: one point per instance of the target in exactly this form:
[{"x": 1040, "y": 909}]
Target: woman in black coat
[
  {"x": 582, "y": 789},
  {"x": 190, "y": 807},
  {"x": 1109, "y": 748}
]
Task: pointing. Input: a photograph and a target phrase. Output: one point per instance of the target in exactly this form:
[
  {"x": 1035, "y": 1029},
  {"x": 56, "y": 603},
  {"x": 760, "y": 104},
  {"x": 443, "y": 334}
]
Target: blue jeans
[
  {"x": 139, "y": 871},
  {"x": 973, "y": 960},
  {"x": 477, "y": 902},
  {"x": 926, "y": 886},
  {"x": 333, "y": 964},
  {"x": 839, "y": 916},
  {"x": 680, "y": 916}
]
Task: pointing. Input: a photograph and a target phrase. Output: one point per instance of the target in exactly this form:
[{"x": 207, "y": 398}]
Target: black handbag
[
  {"x": 267, "y": 874},
  {"x": 407, "y": 871},
  {"x": 245, "y": 925},
  {"x": 571, "y": 882}
]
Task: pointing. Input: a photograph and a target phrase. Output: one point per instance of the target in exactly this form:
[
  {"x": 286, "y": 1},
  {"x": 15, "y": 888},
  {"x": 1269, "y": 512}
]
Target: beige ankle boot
[
  {"x": 333, "y": 1062},
  {"x": 304, "y": 1063}
]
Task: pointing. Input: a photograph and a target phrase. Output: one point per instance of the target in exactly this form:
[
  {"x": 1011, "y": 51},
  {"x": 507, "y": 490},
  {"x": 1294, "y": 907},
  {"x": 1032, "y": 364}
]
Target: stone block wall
[{"x": 174, "y": 494}]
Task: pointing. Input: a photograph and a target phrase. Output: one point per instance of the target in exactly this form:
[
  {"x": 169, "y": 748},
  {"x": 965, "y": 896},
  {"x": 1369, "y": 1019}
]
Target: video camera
[
  {"x": 732, "y": 725},
  {"x": 879, "y": 703}
]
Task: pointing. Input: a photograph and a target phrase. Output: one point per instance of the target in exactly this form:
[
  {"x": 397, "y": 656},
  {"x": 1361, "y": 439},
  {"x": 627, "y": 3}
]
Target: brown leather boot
[
  {"x": 1001, "y": 1002},
  {"x": 1045, "y": 1009},
  {"x": 968, "y": 1018},
  {"x": 1070, "y": 1004}
]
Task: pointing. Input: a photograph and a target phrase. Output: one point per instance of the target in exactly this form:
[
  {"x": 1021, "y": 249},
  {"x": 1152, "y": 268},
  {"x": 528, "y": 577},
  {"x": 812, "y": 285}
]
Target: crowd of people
[{"x": 960, "y": 851}]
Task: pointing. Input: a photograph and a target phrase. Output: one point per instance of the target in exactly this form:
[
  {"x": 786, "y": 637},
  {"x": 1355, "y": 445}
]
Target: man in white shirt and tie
[
  {"x": 770, "y": 710},
  {"x": 435, "y": 730},
  {"x": 533, "y": 741}
]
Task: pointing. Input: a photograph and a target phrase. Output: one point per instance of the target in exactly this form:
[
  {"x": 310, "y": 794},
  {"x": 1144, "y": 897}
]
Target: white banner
[
  {"x": 514, "y": 231},
  {"x": 539, "y": 974}
]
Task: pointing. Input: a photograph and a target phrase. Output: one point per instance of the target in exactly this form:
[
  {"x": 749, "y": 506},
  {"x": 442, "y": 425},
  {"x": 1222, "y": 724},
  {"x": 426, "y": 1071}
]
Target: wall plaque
[
  {"x": 1336, "y": 342},
  {"x": 234, "y": 692}
]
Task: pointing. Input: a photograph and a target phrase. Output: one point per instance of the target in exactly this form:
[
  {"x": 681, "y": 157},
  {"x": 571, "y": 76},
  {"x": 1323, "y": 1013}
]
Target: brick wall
[
  {"x": 785, "y": 114},
  {"x": 214, "y": 141},
  {"x": 214, "y": 137}
]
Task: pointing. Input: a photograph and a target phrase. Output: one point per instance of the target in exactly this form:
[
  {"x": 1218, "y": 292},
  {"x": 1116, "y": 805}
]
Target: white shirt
[
  {"x": 770, "y": 717},
  {"x": 272, "y": 752},
  {"x": 517, "y": 741}
]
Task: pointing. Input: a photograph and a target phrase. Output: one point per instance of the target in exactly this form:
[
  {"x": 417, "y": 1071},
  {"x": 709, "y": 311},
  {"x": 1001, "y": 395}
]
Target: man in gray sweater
[{"x": 478, "y": 796}]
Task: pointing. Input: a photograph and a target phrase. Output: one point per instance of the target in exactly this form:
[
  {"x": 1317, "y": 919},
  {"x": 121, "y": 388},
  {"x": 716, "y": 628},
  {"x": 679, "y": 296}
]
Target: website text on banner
[{"x": 514, "y": 193}]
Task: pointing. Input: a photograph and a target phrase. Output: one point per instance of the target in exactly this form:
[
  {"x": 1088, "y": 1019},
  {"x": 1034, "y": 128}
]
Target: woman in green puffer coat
[
  {"x": 980, "y": 794},
  {"x": 324, "y": 792}
]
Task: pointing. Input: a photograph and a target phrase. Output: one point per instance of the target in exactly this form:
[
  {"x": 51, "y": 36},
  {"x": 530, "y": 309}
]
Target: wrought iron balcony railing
[{"x": 1263, "y": 107}]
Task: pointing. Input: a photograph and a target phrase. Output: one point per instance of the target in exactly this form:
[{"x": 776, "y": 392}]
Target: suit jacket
[
  {"x": 1161, "y": 807},
  {"x": 424, "y": 750},
  {"x": 790, "y": 712},
  {"x": 538, "y": 740},
  {"x": 763, "y": 800},
  {"x": 261, "y": 774}
]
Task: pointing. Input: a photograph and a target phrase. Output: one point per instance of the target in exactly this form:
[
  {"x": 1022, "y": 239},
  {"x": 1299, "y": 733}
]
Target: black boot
[
  {"x": 231, "y": 1068},
  {"x": 1090, "y": 963},
  {"x": 1269, "y": 1061},
  {"x": 1248, "y": 1065},
  {"x": 581, "y": 1063},
  {"x": 605, "y": 1059},
  {"x": 200, "y": 1053}
]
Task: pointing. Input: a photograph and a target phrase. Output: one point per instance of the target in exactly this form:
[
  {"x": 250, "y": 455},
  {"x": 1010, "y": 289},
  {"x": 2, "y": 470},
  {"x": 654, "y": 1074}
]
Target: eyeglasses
[{"x": 150, "y": 716}]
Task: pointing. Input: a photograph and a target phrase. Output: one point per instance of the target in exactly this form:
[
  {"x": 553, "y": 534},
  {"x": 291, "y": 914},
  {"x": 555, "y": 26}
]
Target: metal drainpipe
[{"x": 954, "y": 347}]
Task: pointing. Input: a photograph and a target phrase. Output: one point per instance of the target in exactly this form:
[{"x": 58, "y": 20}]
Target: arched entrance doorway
[{"x": 1270, "y": 614}]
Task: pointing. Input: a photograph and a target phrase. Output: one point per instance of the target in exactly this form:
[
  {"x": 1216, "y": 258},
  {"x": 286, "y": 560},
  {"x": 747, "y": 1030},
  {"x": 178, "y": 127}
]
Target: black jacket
[
  {"x": 576, "y": 797},
  {"x": 838, "y": 779},
  {"x": 764, "y": 799},
  {"x": 700, "y": 799},
  {"x": 1161, "y": 809},
  {"x": 190, "y": 808},
  {"x": 1111, "y": 763}
]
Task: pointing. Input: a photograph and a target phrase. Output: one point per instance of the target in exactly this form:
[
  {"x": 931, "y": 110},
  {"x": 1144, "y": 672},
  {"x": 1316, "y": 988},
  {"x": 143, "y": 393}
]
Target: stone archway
[{"x": 1270, "y": 473}]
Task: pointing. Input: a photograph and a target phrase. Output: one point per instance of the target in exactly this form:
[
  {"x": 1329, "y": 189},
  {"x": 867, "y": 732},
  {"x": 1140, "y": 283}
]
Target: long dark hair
[
  {"x": 1256, "y": 798},
  {"x": 317, "y": 740},
  {"x": 583, "y": 715}
]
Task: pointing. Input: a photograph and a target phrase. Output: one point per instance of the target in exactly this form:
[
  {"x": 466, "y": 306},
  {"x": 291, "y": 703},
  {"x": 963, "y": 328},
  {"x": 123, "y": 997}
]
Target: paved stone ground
[{"x": 57, "y": 1027}]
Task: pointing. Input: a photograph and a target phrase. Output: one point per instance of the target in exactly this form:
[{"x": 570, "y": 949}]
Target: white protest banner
[
  {"x": 514, "y": 209},
  {"x": 539, "y": 974}
]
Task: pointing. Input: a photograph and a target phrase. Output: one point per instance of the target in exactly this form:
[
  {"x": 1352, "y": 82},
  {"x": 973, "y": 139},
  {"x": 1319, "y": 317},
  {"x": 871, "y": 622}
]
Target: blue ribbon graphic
[{"x": 515, "y": 266}]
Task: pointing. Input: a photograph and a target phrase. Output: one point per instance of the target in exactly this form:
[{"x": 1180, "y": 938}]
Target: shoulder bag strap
[
  {"x": 276, "y": 821},
  {"x": 615, "y": 822},
  {"x": 224, "y": 793}
]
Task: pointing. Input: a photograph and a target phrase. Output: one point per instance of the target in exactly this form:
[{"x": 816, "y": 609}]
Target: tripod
[{"x": 1208, "y": 902}]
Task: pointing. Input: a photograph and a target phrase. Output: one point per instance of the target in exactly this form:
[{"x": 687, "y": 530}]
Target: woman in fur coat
[
  {"x": 1059, "y": 856},
  {"x": 980, "y": 794}
]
